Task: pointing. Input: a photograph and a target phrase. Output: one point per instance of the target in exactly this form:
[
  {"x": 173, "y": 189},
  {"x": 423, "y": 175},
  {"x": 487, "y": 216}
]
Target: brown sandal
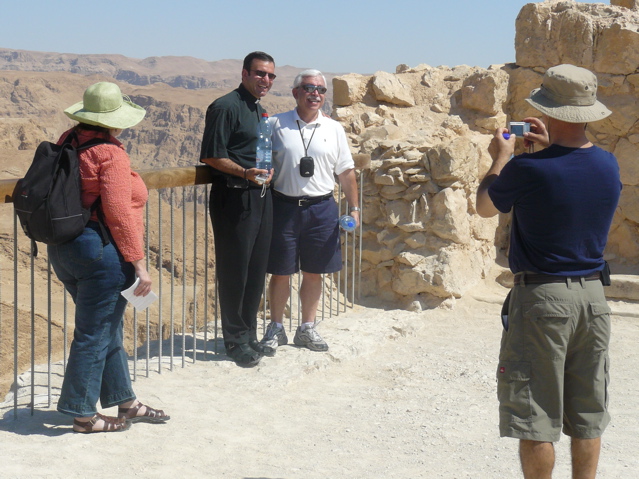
[
  {"x": 111, "y": 424},
  {"x": 155, "y": 416}
]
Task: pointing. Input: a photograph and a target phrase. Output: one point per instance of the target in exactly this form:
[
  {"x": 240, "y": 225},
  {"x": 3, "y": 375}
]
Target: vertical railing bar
[
  {"x": 32, "y": 332},
  {"x": 183, "y": 277},
  {"x": 264, "y": 306},
  {"x": 65, "y": 336},
  {"x": 300, "y": 319},
  {"x": 172, "y": 298},
  {"x": 148, "y": 313},
  {"x": 159, "y": 266},
  {"x": 194, "y": 273},
  {"x": 361, "y": 222},
  {"x": 353, "y": 271},
  {"x": 323, "y": 296},
  {"x": 339, "y": 273},
  {"x": 217, "y": 293},
  {"x": 135, "y": 344},
  {"x": 15, "y": 315},
  {"x": 206, "y": 272},
  {"x": 49, "y": 332}
]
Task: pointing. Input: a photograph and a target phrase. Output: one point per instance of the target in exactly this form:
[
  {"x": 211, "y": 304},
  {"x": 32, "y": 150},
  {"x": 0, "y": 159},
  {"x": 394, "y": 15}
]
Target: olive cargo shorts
[{"x": 553, "y": 364}]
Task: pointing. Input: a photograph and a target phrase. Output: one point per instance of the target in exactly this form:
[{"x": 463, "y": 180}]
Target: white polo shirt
[{"x": 328, "y": 148}]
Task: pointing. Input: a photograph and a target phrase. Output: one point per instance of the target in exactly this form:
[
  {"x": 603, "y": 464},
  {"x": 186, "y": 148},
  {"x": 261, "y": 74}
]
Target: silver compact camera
[{"x": 518, "y": 128}]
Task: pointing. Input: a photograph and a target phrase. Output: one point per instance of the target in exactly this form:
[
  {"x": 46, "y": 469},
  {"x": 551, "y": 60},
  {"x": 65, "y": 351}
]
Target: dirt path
[{"x": 399, "y": 395}]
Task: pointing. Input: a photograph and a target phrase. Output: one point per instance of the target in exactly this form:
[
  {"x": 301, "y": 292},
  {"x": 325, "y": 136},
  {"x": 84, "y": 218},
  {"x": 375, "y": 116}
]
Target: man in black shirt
[{"x": 241, "y": 209}]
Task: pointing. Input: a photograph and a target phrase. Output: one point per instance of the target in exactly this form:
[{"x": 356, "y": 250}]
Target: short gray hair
[{"x": 311, "y": 72}]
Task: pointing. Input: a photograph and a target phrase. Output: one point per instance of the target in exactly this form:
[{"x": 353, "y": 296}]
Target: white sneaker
[
  {"x": 273, "y": 337},
  {"x": 310, "y": 338}
]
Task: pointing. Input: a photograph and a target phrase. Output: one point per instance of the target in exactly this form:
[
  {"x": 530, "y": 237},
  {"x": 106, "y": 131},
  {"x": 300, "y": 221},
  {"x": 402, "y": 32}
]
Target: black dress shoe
[
  {"x": 261, "y": 349},
  {"x": 243, "y": 355}
]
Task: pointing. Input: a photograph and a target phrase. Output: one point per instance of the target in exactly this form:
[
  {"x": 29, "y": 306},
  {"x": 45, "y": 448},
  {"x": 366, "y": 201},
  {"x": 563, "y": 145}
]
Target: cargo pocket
[
  {"x": 513, "y": 391},
  {"x": 599, "y": 325}
]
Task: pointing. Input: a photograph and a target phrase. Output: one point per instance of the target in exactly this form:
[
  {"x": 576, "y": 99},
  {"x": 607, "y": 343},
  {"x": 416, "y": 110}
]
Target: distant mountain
[
  {"x": 180, "y": 72},
  {"x": 36, "y": 86}
]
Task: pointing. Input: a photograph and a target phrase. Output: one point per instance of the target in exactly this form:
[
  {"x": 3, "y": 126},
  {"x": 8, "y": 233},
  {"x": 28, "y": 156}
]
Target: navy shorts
[{"x": 305, "y": 237}]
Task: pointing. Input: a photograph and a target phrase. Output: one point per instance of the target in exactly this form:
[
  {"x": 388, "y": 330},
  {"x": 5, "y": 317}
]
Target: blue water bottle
[
  {"x": 347, "y": 223},
  {"x": 264, "y": 151}
]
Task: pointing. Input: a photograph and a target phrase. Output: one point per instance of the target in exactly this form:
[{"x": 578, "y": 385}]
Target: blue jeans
[{"x": 94, "y": 275}]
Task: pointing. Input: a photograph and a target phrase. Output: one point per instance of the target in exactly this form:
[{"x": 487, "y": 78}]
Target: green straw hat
[
  {"x": 569, "y": 93},
  {"x": 104, "y": 105}
]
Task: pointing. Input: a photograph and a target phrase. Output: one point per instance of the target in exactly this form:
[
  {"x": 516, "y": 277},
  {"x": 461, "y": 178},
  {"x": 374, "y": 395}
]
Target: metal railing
[{"x": 183, "y": 326}]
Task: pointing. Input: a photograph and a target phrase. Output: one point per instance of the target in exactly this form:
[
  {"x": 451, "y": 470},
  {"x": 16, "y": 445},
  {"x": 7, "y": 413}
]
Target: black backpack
[{"x": 48, "y": 199}]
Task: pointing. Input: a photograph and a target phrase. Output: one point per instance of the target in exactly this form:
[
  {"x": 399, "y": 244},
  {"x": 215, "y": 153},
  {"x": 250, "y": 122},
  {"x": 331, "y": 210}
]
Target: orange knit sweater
[{"x": 106, "y": 172}]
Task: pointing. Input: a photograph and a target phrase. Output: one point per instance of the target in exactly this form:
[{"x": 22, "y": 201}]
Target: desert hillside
[{"x": 35, "y": 87}]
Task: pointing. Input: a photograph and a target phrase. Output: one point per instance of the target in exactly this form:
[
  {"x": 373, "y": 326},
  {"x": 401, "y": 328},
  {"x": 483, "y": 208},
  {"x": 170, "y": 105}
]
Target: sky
[{"x": 337, "y": 36}]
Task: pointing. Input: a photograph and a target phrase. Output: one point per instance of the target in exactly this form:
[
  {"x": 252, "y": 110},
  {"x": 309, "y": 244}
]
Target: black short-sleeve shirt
[{"x": 230, "y": 129}]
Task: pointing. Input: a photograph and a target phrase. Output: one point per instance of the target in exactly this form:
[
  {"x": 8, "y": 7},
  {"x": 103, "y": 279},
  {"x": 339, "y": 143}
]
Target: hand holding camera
[{"x": 538, "y": 134}]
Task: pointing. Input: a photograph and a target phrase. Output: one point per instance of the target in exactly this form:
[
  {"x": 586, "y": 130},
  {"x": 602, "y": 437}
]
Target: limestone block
[
  {"x": 371, "y": 119},
  {"x": 414, "y": 192},
  {"x": 490, "y": 124},
  {"x": 408, "y": 216},
  {"x": 375, "y": 252},
  {"x": 385, "y": 132},
  {"x": 617, "y": 49},
  {"x": 449, "y": 216},
  {"x": 389, "y": 88},
  {"x": 342, "y": 114},
  {"x": 389, "y": 237},
  {"x": 627, "y": 154},
  {"x": 349, "y": 89},
  {"x": 625, "y": 287},
  {"x": 631, "y": 4},
  {"x": 393, "y": 192},
  {"x": 623, "y": 242},
  {"x": 485, "y": 91},
  {"x": 382, "y": 178},
  {"x": 454, "y": 161},
  {"x": 522, "y": 82},
  {"x": 622, "y": 120},
  {"x": 542, "y": 30},
  {"x": 410, "y": 259},
  {"x": 628, "y": 205},
  {"x": 416, "y": 240},
  {"x": 449, "y": 273}
]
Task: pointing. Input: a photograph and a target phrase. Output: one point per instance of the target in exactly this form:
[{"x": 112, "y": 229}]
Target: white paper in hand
[{"x": 139, "y": 302}]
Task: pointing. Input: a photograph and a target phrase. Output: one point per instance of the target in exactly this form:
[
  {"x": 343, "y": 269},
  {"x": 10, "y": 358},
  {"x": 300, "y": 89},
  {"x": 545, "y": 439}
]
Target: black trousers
[{"x": 242, "y": 226}]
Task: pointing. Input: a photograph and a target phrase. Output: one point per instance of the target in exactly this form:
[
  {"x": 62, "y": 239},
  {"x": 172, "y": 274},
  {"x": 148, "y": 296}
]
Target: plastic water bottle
[
  {"x": 347, "y": 223},
  {"x": 264, "y": 148}
]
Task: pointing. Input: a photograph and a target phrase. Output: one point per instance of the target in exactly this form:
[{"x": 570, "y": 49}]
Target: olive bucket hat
[
  {"x": 104, "y": 105},
  {"x": 569, "y": 93}
]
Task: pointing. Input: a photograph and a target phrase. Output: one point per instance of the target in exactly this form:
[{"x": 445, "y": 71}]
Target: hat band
[
  {"x": 567, "y": 100},
  {"x": 125, "y": 98}
]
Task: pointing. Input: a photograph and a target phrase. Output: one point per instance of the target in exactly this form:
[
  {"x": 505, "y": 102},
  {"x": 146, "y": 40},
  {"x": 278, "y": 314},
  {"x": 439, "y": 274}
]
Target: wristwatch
[{"x": 354, "y": 208}]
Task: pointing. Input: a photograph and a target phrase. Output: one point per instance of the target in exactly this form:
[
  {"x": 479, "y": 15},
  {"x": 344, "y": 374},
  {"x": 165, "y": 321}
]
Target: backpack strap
[{"x": 104, "y": 232}]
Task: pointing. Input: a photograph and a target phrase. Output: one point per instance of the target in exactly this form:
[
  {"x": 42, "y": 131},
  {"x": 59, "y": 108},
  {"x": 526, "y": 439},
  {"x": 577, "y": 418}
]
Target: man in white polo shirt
[{"x": 309, "y": 150}]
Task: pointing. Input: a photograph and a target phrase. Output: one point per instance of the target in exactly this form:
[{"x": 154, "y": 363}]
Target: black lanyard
[{"x": 306, "y": 147}]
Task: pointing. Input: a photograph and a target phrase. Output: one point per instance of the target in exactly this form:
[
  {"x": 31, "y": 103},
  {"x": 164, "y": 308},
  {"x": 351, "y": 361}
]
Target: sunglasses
[
  {"x": 311, "y": 88},
  {"x": 262, "y": 74}
]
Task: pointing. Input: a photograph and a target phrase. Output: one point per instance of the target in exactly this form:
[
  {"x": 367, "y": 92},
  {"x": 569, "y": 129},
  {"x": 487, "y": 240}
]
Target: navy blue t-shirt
[{"x": 563, "y": 200}]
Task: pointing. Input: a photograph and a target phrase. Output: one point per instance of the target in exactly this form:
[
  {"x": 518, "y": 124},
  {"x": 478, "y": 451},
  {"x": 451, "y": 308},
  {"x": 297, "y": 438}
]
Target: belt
[
  {"x": 301, "y": 200},
  {"x": 534, "y": 278}
]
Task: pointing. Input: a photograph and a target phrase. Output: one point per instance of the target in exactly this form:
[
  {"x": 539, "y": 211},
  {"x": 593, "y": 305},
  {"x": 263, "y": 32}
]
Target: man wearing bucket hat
[
  {"x": 241, "y": 208},
  {"x": 95, "y": 269},
  {"x": 553, "y": 363}
]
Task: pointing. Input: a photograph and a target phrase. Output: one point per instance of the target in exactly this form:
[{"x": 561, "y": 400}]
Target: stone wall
[{"x": 427, "y": 130}]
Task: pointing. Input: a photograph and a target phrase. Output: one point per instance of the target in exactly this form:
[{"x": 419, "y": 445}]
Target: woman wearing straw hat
[{"x": 95, "y": 269}]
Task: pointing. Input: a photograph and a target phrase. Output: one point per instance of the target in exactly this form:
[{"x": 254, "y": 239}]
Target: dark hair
[
  {"x": 248, "y": 59},
  {"x": 86, "y": 126}
]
